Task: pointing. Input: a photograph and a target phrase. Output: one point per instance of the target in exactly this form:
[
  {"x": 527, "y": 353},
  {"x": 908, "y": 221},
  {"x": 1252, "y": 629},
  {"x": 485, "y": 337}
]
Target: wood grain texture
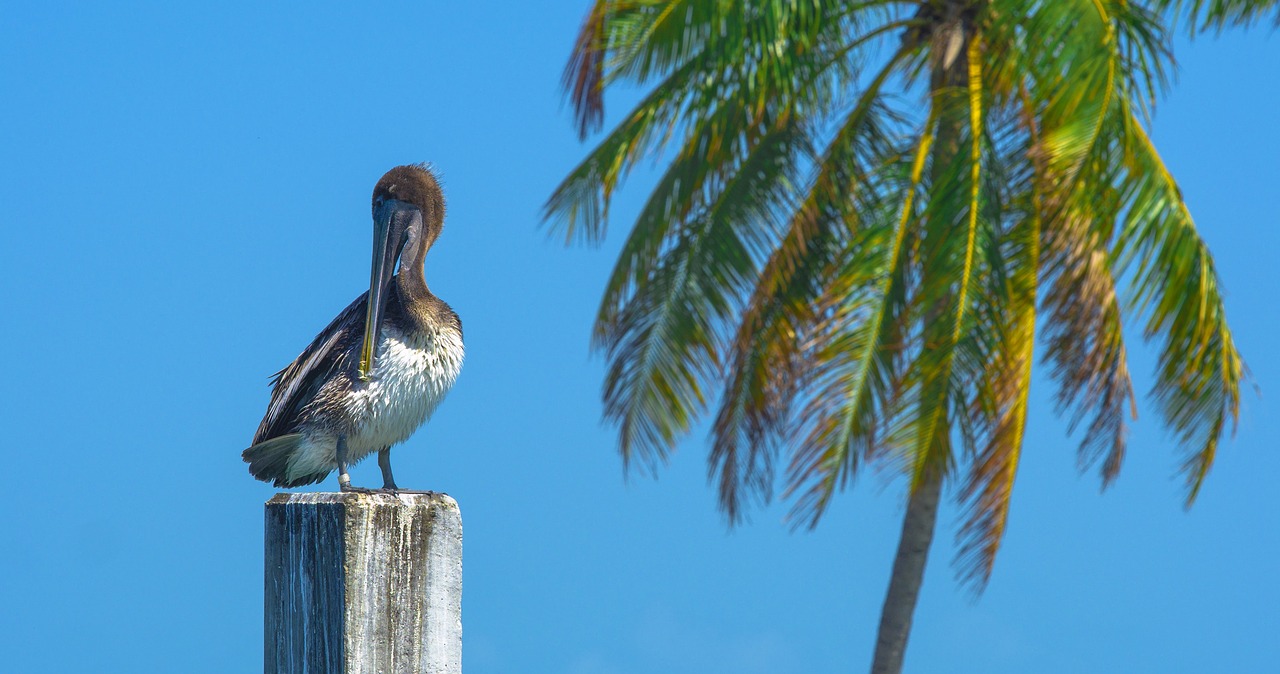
[{"x": 363, "y": 583}]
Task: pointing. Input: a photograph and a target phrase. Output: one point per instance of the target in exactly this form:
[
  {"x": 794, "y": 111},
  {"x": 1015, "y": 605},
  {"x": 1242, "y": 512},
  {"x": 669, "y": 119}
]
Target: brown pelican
[{"x": 371, "y": 378}]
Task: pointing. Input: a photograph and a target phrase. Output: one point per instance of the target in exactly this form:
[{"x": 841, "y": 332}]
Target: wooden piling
[{"x": 363, "y": 584}]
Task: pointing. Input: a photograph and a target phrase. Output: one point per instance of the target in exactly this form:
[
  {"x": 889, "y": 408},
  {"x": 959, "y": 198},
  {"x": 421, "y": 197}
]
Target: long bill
[{"x": 386, "y": 249}]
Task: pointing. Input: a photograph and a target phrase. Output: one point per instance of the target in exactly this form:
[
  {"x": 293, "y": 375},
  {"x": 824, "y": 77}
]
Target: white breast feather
[{"x": 411, "y": 375}]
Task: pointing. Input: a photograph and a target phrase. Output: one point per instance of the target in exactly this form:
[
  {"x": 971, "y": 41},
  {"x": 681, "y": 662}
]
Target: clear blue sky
[{"x": 184, "y": 204}]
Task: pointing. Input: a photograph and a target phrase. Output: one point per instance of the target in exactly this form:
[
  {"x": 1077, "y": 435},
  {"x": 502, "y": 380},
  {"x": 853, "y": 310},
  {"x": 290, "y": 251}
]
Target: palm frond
[
  {"x": 851, "y": 371},
  {"x": 1175, "y": 284},
  {"x": 579, "y": 205},
  {"x": 987, "y": 490},
  {"x": 764, "y": 365},
  {"x": 1145, "y": 54},
  {"x": 975, "y": 179},
  {"x": 1083, "y": 327},
  {"x": 711, "y": 154},
  {"x": 583, "y": 78},
  {"x": 662, "y": 343},
  {"x": 857, "y": 362},
  {"x": 718, "y": 68},
  {"x": 1203, "y": 15},
  {"x": 1071, "y": 67},
  {"x": 947, "y": 267}
]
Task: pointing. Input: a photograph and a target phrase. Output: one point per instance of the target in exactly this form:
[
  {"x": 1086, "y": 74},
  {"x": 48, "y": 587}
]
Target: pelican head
[{"x": 408, "y": 213}]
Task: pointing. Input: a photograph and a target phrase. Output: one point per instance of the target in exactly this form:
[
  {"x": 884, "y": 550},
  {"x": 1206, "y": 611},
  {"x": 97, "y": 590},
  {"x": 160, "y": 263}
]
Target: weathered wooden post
[{"x": 363, "y": 584}]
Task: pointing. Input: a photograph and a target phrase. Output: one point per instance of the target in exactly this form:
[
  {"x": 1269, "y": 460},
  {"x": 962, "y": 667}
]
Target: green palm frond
[
  {"x": 716, "y": 68},
  {"x": 1203, "y": 15},
  {"x": 715, "y": 150},
  {"x": 1084, "y": 340},
  {"x": 583, "y": 78},
  {"x": 1145, "y": 54},
  {"x": 1174, "y": 283},
  {"x": 1002, "y": 397},
  {"x": 852, "y": 371},
  {"x": 764, "y": 368},
  {"x": 951, "y": 225},
  {"x": 662, "y": 343},
  {"x": 648, "y": 38},
  {"x": 1078, "y": 87},
  {"x": 770, "y": 361},
  {"x": 580, "y": 204},
  {"x": 794, "y": 287},
  {"x": 1070, "y": 69}
]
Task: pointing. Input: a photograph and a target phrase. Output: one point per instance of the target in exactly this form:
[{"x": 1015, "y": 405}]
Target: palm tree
[{"x": 870, "y": 209}]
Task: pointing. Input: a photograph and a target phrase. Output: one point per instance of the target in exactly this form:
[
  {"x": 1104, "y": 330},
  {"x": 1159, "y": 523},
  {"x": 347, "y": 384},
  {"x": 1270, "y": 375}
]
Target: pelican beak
[{"x": 389, "y": 226}]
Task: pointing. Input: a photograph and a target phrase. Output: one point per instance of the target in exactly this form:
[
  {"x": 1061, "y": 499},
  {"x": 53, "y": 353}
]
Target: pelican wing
[{"x": 298, "y": 382}]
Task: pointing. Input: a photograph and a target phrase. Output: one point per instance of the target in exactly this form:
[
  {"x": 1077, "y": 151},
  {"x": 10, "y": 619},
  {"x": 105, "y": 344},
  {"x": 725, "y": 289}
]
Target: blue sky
[{"x": 184, "y": 204}]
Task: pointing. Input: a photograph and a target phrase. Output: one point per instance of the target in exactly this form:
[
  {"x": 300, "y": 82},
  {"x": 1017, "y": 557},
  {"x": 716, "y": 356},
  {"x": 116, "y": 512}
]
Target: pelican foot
[
  {"x": 346, "y": 488},
  {"x": 410, "y": 492}
]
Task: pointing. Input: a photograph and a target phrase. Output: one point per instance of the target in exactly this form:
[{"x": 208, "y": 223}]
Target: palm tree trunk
[
  {"x": 908, "y": 575},
  {"x": 950, "y": 36}
]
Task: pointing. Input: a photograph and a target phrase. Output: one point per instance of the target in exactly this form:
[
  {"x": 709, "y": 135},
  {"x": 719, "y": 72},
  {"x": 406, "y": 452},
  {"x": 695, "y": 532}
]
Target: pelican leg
[
  {"x": 343, "y": 477},
  {"x": 384, "y": 462},
  {"x": 389, "y": 482},
  {"x": 344, "y": 480}
]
